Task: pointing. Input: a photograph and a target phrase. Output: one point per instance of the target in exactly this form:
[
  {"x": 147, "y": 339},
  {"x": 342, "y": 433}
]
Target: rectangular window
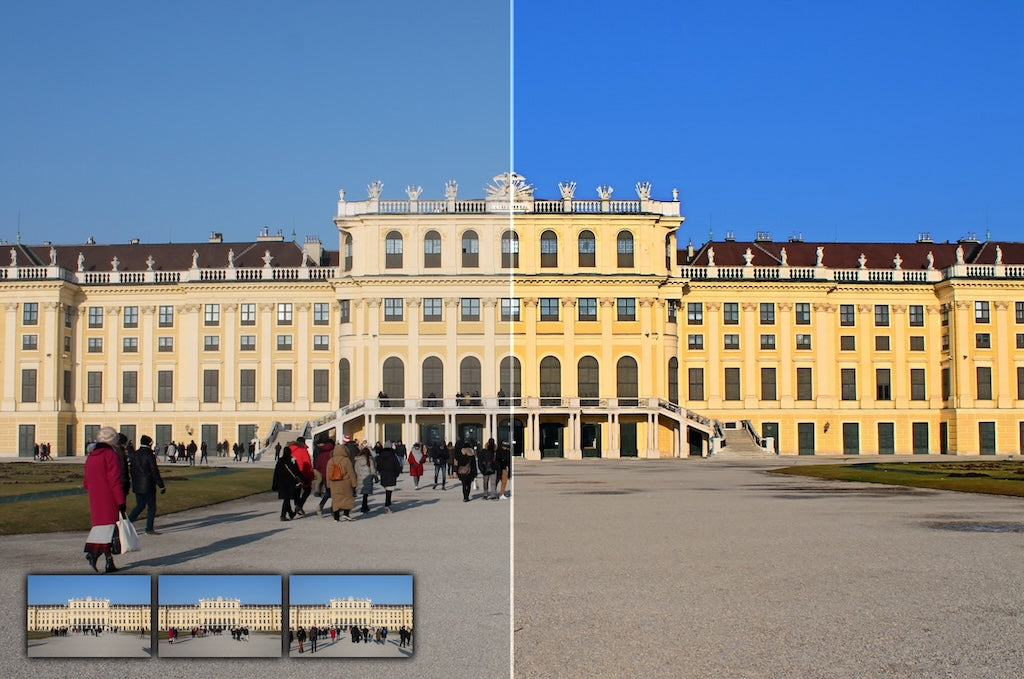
[
  {"x": 67, "y": 386},
  {"x": 549, "y": 308},
  {"x": 165, "y": 344},
  {"x": 731, "y": 313},
  {"x": 732, "y": 384},
  {"x": 165, "y": 316},
  {"x": 695, "y": 382},
  {"x": 982, "y": 312},
  {"x": 130, "y": 345},
  {"x": 944, "y": 342},
  {"x": 917, "y": 342},
  {"x": 625, "y": 309},
  {"x": 882, "y": 315},
  {"x": 984, "y": 375},
  {"x": 587, "y": 307},
  {"x": 1018, "y": 311},
  {"x": 881, "y": 343},
  {"x": 695, "y": 313},
  {"x": 211, "y": 343},
  {"x": 432, "y": 309},
  {"x": 886, "y": 438},
  {"x": 394, "y": 309},
  {"x": 1020, "y": 340},
  {"x": 29, "y": 342},
  {"x": 284, "y": 313},
  {"x": 883, "y": 384},
  {"x": 247, "y": 343},
  {"x": 67, "y": 316},
  {"x": 671, "y": 306},
  {"x": 916, "y": 316},
  {"x": 247, "y": 314},
  {"x": 946, "y": 384},
  {"x": 803, "y": 341},
  {"x": 67, "y": 343},
  {"x": 847, "y": 343},
  {"x": 1020, "y": 384},
  {"x": 768, "y": 341},
  {"x": 28, "y": 385},
  {"x": 130, "y": 316},
  {"x": 847, "y": 315},
  {"x": 767, "y": 313},
  {"x": 982, "y": 340},
  {"x": 768, "y": 384},
  {"x": 803, "y": 313},
  {"x": 917, "y": 385},
  {"x": 321, "y": 342},
  {"x": 344, "y": 311},
  {"x": 284, "y": 342},
  {"x": 284, "y": 386},
  {"x": 510, "y": 309},
  {"x": 30, "y": 314},
  {"x": 321, "y": 313},
  {"x": 165, "y": 386},
  {"x": 848, "y": 377},
  {"x": 944, "y": 315},
  {"x": 805, "y": 384},
  {"x": 95, "y": 345},
  {"x": 695, "y": 342},
  {"x": 247, "y": 386},
  {"x": 211, "y": 314},
  {"x": 470, "y": 307},
  {"x": 95, "y": 317},
  {"x": 94, "y": 386},
  {"x": 211, "y": 386},
  {"x": 731, "y": 341},
  {"x": 130, "y": 386},
  {"x": 321, "y": 386}
]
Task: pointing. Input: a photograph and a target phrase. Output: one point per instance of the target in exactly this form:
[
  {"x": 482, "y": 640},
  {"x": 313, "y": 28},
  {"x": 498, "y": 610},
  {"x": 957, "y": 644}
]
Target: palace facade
[
  {"x": 220, "y": 612},
  {"x": 351, "y": 611},
  {"x": 571, "y": 327},
  {"x": 88, "y": 612}
]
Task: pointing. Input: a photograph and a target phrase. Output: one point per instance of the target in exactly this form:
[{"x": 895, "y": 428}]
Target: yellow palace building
[
  {"x": 572, "y": 327},
  {"x": 349, "y": 611},
  {"x": 220, "y": 612},
  {"x": 88, "y": 612}
]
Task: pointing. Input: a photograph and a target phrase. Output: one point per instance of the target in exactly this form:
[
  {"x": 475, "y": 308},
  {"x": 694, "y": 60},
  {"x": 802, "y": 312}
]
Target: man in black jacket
[{"x": 145, "y": 480}]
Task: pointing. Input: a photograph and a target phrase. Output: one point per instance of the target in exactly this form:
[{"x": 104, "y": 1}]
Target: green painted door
[
  {"x": 627, "y": 439},
  {"x": 805, "y": 438}
]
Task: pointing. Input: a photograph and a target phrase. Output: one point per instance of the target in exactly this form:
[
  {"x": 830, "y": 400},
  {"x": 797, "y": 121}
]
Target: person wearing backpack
[
  {"x": 485, "y": 461},
  {"x": 341, "y": 483}
]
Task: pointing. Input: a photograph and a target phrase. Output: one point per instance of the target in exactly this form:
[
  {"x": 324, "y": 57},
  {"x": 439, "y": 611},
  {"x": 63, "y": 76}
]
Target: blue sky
[
  {"x": 188, "y": 589},
  {"x": 320, "y": 589},
  {"x": 57, "y": 589},
  {"x": 870, "y": 120}
]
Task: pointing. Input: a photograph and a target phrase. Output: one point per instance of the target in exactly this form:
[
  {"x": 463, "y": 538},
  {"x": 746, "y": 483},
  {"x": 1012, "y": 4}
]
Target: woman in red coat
[
  {"x": 104, "y": 474},
  {"x": 417, "y": 456}
]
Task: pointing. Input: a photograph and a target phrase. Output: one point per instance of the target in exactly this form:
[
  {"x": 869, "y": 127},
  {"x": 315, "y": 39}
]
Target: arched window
[
  {"x": 673, "y": 380},
  {"x": 393, "y": 250},
  {"x": 469, "y": 376},
  {"x": 348, "y": 252},
  {"x": 433, "y": 380},
  {"x": 588, "y": 381},
  {"x": 624, "y": 248},
  {"x": 587, "y": 249},
  {"x": 470, "y": 250},
  {"x": 548, "y": 249},
  {"x": 626, "y": 381},
  {"x": 393, "y": 379},
  {"x": 550, "y": 381},
  {"x": 510, "y": 250},
  {"x": 432, "y": 250},
  {"x": 510, "y": 378},
  {"x": 344, "y": 383}
]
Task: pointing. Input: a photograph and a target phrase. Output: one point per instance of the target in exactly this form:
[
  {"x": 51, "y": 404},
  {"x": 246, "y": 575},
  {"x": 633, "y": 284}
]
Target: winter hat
[
  {"x": 346, "y": 438},
  {"x": 106, "y": 435},
  {"x": 145, "y": 440}
]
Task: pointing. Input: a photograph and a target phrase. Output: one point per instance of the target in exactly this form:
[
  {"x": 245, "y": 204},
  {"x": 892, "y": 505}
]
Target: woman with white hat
[{"x": 105, "y": 477}]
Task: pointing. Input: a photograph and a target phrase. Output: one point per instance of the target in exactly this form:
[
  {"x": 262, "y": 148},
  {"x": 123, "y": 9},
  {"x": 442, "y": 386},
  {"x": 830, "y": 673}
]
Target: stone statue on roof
[
  {"x": 195, "y": 259},
  {"x": 604, "y": 192},
  {"x": 711, "y": 256},
  {"x": 14, "y": 257},
  {"x": 567, "y": 189},
  {"x": 53, "y": 256},
  {"x": 451, "y": 189},
  {"x": 897, "y": 261},
  {"x": 509, "y": 186},
  {"x": 784, "y": 258},
  {"x": 114, "y": 263},
  {"x": 150, "y": 262},
  {"x": 819, "y": 255},
  {"x": 81, "y": 262},
  {"x": 373, "y": 189},
  {"x": 267, "y": 258},
  {"x": 748, "y": 257},
  {"x": 231, "y": 258},
  {"x": 931, "y": 260},
  {"x": 862, "y": 261},
  {"x": 999, "y": 255},
  {"x": 643, "y": 190},
  {"x": 959, "y": 254},
  {"x": 413, "y": 192}
]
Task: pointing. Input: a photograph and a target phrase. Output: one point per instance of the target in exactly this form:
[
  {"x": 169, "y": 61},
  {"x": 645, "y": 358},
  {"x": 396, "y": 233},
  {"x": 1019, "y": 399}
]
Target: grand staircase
[{"x": 740, "y": 445}]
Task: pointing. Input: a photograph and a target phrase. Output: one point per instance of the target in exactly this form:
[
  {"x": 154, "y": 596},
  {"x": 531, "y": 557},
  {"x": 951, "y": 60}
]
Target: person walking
[
  {"x": 466, "y": 470},
  {"x": 324, "y": 451},
  {"x": 286, "y": 480},
  {"x": 191, "y": 450},
  {"x": 202, "y": 453},
  {"x": 103, "y": 482},
  {"x": 301, "y": 636},
  {"x": 277, "y": 451},
  {"x": 365, "y": 471},
  {"x": 450, "y": 449},
  {"x": 388, "y": 468},
  {"x": 439, "y": 457},
  {"x": 341, "y": 482},
  {"x": 313, "y": 634},
  {"x": 145, "y": 474},
  {"x": 486, "y": 463},
  {"x": 503, "y": 465},
  {"x": 416, "y": 459},
  {"x": 300, "y": 453}
]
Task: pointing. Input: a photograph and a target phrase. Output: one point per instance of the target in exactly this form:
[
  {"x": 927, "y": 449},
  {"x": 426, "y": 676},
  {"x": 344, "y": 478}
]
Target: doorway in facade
[
  {"x": 431, "y": 433},
  {"x": 551, "y": 439},
  {"x": 590, "y": 439},
  {"x": 471, "y": 432},
  {"x": 627, "y": 439},
  {"x": 26, "y": 440},
  {"x": 513, "y": 432}
]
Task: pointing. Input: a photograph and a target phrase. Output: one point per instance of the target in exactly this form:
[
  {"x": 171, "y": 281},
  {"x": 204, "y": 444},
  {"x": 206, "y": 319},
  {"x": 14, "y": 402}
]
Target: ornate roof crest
[{"x": 509, "y": 186}]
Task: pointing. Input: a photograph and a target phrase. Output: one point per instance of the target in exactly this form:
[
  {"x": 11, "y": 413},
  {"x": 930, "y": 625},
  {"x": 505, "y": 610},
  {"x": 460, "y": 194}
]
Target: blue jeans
[
  {"x": 439, "y": 469},
  {"x": 147, "y": 501}
]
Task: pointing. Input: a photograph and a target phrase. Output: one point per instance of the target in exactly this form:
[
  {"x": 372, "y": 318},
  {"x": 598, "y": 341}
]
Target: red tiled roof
[{"x": 847, "y": 255}]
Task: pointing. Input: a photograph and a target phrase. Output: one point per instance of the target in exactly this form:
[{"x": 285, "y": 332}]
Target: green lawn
[
  {"x": 975, "y": 476},
  {"x": 186, "y": 488}
]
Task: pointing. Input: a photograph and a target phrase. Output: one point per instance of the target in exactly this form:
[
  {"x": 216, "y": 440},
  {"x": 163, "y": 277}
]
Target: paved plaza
[
  {"x": 443, "y": 542},
  {"x": 691, "y": 568},
  {"x": 342, "y": 647},
  {"x": 221, "y": 646},
  {"x": 106, "y": 645}
]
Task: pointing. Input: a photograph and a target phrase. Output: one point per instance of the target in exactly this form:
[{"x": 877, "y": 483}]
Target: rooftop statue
[
  {"x": 748, "y": 257},
  {"x": 114, "y": 263},
  {"x": 231, "y": 258},
  {"x": 374, "y": 189},
  {"x": 413, "y": 192},
  {"x": 604, "y": 192},
  {"x": 14, "y": 257},
  {"x": 509, "y": 186},
  {"x": 862, "y": 261},
  {"x": 341, "y": 194},
  {"x": 819, "y": 256},
  {"x": 567, "y": 189},
  {"x": 643, "y": 190},
  {"x": 149, "y": 263},
  {"x": 53, "y": 256},
  {"x": 999, "y": 255},
  {"x": 931, "y": 260},
  {"x": 711, "y": 256},
  {"x": 195, "y": 259},
  {"x": 81, "y": 262},
  {"x": 451, "y": 189},
  {"x": 897, "y": 261},
  {"x": 784, "y": 257},
  {"x": 267, "y": 258},
  {"x": 959, "y": 254}
]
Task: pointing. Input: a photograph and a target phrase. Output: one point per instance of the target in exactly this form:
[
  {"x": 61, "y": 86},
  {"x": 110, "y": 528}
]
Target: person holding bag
[
  {"x": 103, "y": 483},
  {"x": 466, "y": 470},
  {"x": 341, "y": 483},
  {"x": 287, "y": 479}
]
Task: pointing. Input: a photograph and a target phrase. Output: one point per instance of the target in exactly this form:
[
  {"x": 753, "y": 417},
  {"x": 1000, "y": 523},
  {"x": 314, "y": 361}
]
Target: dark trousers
[
  {"x": 467, "y": 485},
  {"x": 286, "y": 507},
  {"x": 326, "y": 496},
  {"x": 145, "y": 501},
  {"x": 300, "y": 496}
]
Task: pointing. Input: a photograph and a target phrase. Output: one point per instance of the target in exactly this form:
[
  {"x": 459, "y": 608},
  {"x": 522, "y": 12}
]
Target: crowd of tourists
[{"x": 311, "y": 636}]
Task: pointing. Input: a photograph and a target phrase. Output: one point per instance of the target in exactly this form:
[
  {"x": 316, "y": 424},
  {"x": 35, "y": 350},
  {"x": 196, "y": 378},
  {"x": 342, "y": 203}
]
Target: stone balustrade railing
[
  {"x": 481, "y": 206},
  {"x": 821, "y": 273},
  {"x": 227, "y": 274}
]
